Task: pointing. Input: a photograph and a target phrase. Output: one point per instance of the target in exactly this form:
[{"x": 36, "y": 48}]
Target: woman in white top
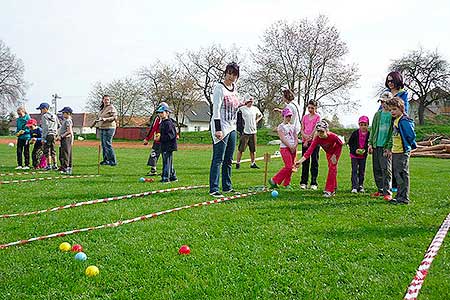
[{"x": 223, "y": 130}]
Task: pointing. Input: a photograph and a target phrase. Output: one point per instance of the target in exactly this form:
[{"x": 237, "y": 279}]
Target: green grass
[{"x": 298, "y": 246}]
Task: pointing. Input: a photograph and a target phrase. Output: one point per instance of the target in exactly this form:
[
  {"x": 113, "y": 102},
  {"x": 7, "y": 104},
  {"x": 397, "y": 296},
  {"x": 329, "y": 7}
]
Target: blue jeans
[
  {"x": 222, "y": 156},
  {"x": 106, "y": 137},
  {"x": 168, "y": 172}
]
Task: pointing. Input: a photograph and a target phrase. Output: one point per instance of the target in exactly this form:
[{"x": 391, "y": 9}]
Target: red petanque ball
[
  {"x": 184, "y": 249},
  {"x": 77, "y": 248}
]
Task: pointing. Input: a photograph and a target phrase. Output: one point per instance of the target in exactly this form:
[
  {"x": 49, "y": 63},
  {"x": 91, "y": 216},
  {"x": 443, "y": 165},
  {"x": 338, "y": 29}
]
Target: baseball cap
[
  {"x": 31, "y": 122},
  {"x": 363, "y": 119},
  {"x": 163, "y": 107},
  {"x": 286, "y": 112},
  {"x": 66, "y": 109},
  {"x": 43, "y": 105},
  {"x": 322, "y": 125},
  {"x": 385, "y": 96}
]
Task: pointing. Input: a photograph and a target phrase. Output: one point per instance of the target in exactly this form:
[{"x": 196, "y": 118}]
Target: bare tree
[
  {"x": 425, "y": 73},
  {"x": 172, "y": 84},
  {"x": 308, "y": 57},
  {"x": 206, "y": 66},
  {"x": 12, "y": 83},
  {"x": 126, "y": 95}
]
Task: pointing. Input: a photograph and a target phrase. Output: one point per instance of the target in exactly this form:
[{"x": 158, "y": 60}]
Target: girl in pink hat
[
  {"x": 359, "y": 144},
  {"x": 288, "y": 149}
]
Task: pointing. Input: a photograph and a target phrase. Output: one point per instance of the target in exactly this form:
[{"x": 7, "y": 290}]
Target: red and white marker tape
[
  {"x": 47, "y": 178},
  {"x": 417, "y": 282},
  {"x": 119, "y": 223},
  {"x": 24, "y": 173},
  {"x": 101, "y": 201}
]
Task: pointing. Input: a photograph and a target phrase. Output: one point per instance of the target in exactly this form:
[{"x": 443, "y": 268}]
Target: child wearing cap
[
  {"x": 156, "y": 147},
  {"x": 380, "y": 145},
  {"x": 65, "y": 136},
  {"x": 288, "y": 149},
  {"x": 36, "y": 140},
  {"x": 23, "y": 135},
  {"x": 168, "y": 140},
  {"x": 332, "y": 145},
  {"x": 403, "y": 141},
  {"x": 358, "y": 144},
  {"x": 49, "y": 124}
]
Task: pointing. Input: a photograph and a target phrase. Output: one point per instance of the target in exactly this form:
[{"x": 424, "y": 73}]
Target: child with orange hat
[{"x": 359, "y": 144}]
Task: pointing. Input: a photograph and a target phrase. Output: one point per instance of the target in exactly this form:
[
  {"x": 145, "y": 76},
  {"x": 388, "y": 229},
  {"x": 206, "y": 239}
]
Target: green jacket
[{"x": 374, "y": 132}]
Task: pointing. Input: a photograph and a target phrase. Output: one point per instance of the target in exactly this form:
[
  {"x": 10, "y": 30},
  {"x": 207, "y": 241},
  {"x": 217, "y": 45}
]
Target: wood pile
[{"x": 430, "y": 148}]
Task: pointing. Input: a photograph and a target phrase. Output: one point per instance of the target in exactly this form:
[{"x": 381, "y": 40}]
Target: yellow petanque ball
[
  {"x": 92, "y": 271},
  {"x": 64, "y": 247}
]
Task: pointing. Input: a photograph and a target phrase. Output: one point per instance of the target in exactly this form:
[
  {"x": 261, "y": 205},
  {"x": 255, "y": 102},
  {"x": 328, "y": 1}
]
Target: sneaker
[
  {"x": 232, "y": 191},
  {"x": 398, "y": 202},
  {"x": 55, "y": 167},
  {"x": 303, "y": 186},
  {"x": 19, "y": 168},
  {"x": 69, "y": 171},
  {"x": 104, "y": 163},
  {"x": 354, "y": 191},
  {"x": 377, "y": 194},
  {"x": 327, "y": 194},
  {"x": 216, "y": 194},
  {"x": 112, "y": 164},
  {"x": 173, "y": 180},
  {"x": 362, "y": 190},
  {"x": 254, "y": 166},
  {"x": 238, "y": 165},
  {"x": 314, "y": 187},
  {"x": 273, "y": 184},
  {"x": 152, "y": 172},
  {"x": 47, "y": 168},
  {"x": 387, "y": 197},
  {"x": 26, "y": 168}
]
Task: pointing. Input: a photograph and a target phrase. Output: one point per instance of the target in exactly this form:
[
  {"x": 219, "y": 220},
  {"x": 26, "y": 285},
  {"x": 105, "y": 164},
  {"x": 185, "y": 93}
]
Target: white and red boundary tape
[
  {"x": 119, "y": 223},
  {"x": 417, "y": 282},
  {"x": 24, "y": 173},
  {"x": 47, "y": 178},
  {"x": 184, "y": 188}
]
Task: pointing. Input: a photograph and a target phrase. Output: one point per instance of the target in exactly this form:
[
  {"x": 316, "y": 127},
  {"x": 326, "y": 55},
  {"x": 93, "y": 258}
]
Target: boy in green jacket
[{"x": 380, "y": 145}]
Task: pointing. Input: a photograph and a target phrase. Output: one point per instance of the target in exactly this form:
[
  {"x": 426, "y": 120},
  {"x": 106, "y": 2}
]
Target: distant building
[
  {"x": 441, "y": 106},
  {"x": 81, "y": 122},
  {"x": 197, "y": 118}
]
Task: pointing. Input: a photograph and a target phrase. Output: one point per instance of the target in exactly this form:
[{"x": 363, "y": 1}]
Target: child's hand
[
  {"x": 32, "y": 140},
  {"x": 157, "y": 137},
  {"x": 145, "y": 142},
  {"x": 333, "y": 159},
  {"x": 293, "y": 149},
  {"x": 387, "y": 153},
  {"x": 360, "y": 151},
  {"x": 370, "y": 149}
]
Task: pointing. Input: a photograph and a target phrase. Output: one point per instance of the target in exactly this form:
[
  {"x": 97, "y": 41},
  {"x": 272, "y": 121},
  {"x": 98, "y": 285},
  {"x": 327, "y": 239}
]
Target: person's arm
[
  {"x": 217, "y": 103},
  {"x": 69, "y": 130},
  {"x": 353, "y": 142},
  {"x": 409, "y": 134},
  {"x": 112, "y": 115}
]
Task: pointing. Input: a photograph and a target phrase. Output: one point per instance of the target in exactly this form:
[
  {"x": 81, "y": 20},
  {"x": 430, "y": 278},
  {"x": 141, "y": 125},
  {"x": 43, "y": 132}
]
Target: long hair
[{"x": 103, "y": 105}]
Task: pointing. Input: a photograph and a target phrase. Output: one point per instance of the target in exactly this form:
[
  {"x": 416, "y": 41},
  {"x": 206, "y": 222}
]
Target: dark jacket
[
  {"x": 406, "y": 130},
  {"x": 353, "y": 143},
  {"x": 37, "y": 134},
  {"x": 168, "y": 137}
]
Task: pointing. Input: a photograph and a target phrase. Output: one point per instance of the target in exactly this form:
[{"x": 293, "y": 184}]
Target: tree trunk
[{"x": 421, "y": 113}]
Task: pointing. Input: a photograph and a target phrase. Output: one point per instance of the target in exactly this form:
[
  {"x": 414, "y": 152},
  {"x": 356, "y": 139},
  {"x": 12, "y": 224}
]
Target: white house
[{"x": 197, "y": 118}]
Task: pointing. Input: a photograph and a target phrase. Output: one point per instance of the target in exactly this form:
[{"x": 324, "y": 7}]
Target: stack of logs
[{"x": 431, "y": 148}]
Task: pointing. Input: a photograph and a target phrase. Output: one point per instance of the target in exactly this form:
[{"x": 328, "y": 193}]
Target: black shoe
[
  {"x": 398, "y": 202},
  {"x": 238, "y": 165},
  {"x": 173, "y": 180},
  {"x": 104, "y": 163},
  {"x": 216, "y": 194},
  {"x": 164, "y": 181},
  {"x": 254, "y": 166},
  {"x": 112, "y": 164},
  {"x": 55, "y": 167}
]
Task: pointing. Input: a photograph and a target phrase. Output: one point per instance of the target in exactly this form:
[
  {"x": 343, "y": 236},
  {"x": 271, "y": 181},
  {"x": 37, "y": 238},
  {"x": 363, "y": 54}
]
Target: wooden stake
[
  {"x": 266, "y": 162},
  {"x": 98, "y": 161}
]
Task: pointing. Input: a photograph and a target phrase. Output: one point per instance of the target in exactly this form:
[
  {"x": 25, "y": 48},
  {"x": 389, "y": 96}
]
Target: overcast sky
[{"x": 67, "y": 46}]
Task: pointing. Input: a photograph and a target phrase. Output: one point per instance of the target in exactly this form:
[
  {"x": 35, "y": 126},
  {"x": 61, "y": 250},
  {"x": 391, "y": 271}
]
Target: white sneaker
[
  {"x": 314, "y": 187},
  {"x": 327, "y": 194},
  {"x": 354, "y": 191},
  {"x": 303, "y": 186},
  {"x": 19, "y": 168},
  {"x": 26, "y": 168}
]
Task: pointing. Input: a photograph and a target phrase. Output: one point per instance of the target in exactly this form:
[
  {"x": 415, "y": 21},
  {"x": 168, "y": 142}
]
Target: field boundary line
[
  {"x": 123, "y": 222},
  {"x": 101, "y": 200},
  {"x": 47, "y": 178}
]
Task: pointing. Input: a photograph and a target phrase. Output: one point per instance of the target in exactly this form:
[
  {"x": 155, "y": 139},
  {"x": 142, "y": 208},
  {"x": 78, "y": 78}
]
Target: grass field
[{"x": 298, "y": 246}]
